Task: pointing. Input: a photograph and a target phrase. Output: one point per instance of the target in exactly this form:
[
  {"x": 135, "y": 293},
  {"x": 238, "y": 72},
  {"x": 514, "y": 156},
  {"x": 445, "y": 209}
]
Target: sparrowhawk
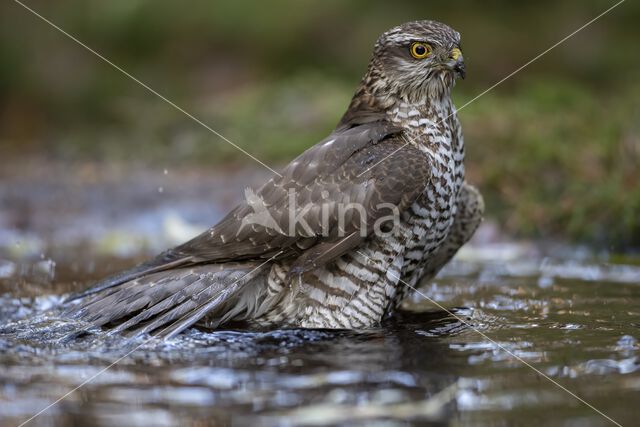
[{"x": 309, "y": 248}]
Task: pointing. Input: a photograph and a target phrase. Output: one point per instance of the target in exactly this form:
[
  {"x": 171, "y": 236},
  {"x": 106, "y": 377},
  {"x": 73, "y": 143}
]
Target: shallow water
[
  {"x": 577, "y": 323},
  {"x": 513, "y": 309}
]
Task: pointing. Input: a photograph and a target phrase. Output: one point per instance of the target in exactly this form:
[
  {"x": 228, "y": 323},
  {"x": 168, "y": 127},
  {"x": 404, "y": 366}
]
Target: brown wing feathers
[{"x": 341, "y": 169}]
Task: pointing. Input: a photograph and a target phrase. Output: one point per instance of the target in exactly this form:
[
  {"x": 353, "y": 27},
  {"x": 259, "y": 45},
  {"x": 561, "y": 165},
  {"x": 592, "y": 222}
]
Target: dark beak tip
[{"x": 460, "y": 69}]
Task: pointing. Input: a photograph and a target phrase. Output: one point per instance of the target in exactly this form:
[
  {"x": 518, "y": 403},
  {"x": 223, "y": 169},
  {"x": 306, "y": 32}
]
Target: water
[
  {"x": 511, "y": 308},
  {"x": 577, "y": 323}
]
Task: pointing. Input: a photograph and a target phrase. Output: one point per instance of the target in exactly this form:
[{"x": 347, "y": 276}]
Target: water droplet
[
  {"x": 160, "y": 189},
  {"x": 166, "y": 172},
  {"x": 545, "y": 282}
]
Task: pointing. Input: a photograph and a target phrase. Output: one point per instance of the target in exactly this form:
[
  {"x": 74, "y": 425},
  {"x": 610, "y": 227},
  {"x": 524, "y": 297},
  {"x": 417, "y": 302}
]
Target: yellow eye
[{"x": 420, "y": 50}]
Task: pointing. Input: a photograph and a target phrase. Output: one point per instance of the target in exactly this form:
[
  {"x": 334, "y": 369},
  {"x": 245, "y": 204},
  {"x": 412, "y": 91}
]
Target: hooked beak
[
  {"x": 459, "y": 68},
  {"x": 458, "y": 65}
]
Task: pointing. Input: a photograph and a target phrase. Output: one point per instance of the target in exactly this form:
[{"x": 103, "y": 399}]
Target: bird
[{"x": 341, "y": 236}]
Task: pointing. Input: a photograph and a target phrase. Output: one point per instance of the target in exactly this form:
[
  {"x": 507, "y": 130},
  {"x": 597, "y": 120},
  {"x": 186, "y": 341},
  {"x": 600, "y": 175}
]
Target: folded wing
[{"x": 310, "y": 214}]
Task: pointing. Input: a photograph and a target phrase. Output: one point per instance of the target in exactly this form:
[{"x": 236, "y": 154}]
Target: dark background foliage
[{"x": 555, "y": 149}]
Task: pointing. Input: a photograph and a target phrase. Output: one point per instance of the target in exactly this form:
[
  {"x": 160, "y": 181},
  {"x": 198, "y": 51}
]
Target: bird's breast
[{"x": 436, "y": 131}]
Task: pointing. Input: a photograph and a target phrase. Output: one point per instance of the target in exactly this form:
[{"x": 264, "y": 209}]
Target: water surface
[{"x": 464, "y": 354}]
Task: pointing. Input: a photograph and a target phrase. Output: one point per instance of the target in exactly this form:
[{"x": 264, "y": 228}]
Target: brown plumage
[{"x": 398, "y": 149}]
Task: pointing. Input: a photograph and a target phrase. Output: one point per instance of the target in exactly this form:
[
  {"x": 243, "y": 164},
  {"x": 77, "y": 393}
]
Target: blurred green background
[{"x": 555, "y": 149}]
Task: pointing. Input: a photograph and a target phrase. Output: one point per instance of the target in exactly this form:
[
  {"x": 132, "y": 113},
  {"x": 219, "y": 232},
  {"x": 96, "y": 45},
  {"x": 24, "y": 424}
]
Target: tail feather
[
  {"x": 160, "y": 263},
  {"x": 173, "y": 299},
  {"x": 198, "y": 313},
  {"x": 180, "y": 309},
  {"x": 130, "y": 297},
  {"x": 214, "y": 291}
]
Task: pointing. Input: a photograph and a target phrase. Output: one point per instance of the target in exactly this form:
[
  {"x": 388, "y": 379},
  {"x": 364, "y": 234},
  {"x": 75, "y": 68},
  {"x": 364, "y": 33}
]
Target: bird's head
[{"x": 415, "y": 61}]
